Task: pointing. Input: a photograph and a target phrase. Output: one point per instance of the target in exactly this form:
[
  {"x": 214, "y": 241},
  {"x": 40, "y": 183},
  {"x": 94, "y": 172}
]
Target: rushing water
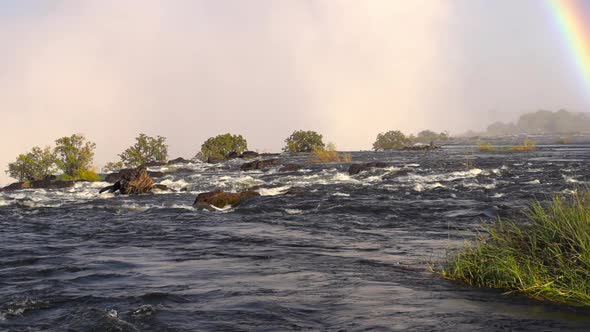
[{"x": 343, "y": 253}]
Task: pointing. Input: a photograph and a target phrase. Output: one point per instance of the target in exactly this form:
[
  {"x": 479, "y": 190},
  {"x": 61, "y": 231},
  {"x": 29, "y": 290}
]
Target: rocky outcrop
[
  {"x": 233, "y": 155},
  {"x": 290, "y": 168},
  {"x": 177, "y": 161},
  {"x": 221, "y": 199},
  {"x": 421, "y": 147},
  {"x": 358, "y": 168},
  {"x": 46, "y": 183},
  {"x": 137, "y": 181},
  {"x": 154, "y": 164},
  {"x": 260, "y": 164},
  {"x": 114, "y": 177}
]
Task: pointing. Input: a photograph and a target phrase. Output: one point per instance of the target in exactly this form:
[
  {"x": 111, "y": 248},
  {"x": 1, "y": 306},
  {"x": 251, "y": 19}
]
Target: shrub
[
  {"x": 33, "y": 165},
  {"x": 303, "y": 141},
  {"x": 146, "y": 149},
  {"x": 393, "y": 139},
  {"x": 546, "y": 258},
  {"x": 329, "y": 155},
  {"x": 221, "y": 146},
  {"x": 74, "y": 154}
]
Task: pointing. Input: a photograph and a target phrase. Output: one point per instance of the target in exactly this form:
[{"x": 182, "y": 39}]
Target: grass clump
[
  {"x": 486, "y": 147},
  {"x": 82, "y": 175},
  {"x": 527, "y": 145},
  {"x": 546, "y": 258},
  {"x": 329, "y": 155}
]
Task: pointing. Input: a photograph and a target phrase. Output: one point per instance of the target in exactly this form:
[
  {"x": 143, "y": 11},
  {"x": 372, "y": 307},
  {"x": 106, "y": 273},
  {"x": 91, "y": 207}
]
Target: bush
[
  {"x": 546, "y": 258},
  {"x": 74, "y": 155},
  {"x": 486, "y": 147},
  {"x": 329, "y": 155},
  {"x": 393, "y": 139},
  {"x": 146, "y": 149},
  {"x": 429, "y": 136},
  {"x": 34, "y": 165},
  {"x": 303, "y": 141},
  {"x": 220, "y": 146}
]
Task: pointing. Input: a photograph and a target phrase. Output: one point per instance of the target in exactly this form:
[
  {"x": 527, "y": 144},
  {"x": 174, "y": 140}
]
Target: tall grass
[
  {"x": 546, "y": 257},
  {"x": 527, "y": 146},
  {"x": 329, "y": 155},
  {"x": 486, "y": 147},
  {"x": 83, "y": 175}
]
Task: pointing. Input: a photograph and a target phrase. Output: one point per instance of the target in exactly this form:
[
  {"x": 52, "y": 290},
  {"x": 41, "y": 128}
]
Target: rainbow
[{"x": 575, "y": 28}]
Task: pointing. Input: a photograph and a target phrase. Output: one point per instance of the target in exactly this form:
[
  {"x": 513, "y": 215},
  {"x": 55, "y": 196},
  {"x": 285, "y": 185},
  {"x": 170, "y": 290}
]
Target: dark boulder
[
  {"x": 233, "y": 155},
  {"x": 114, "y": 177},
  {"x": 249, "y": 155},
  {"x": 138, "y": 181},
  {"x": 221, "y": 199},
  {"x": 259, "y": 164},
  {"x": 179, "y": 160},
  {"x": 154, "y": 164},
  {"x": 357, "y": 168},
  {"x": 214, "y": 160},
  {"x": 290, "y": 168},
  {"x": 48, "y": 182}
]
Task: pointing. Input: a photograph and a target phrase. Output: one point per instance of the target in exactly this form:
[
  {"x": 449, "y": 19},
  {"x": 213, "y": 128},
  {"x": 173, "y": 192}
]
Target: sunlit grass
[
  {"x": 329, "y": 155},
  {"x": 84, "y": 175},
  {"x": 546, "y": 256},
  {"x": 527, "y": 146},
  {"x": 486, "y": 147}
]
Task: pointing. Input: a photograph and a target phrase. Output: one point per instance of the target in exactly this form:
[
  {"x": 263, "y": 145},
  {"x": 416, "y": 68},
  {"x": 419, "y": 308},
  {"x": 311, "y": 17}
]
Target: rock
[
  {"x": 249, "y": 155},
  {"x": 233, "y": 155},
  {"x": 136, "y": 181},
  {"x": 421, "y": 147},
  {"x": 179, "y": 160},
  {"x": 357, "y": 168},
  {"x": 213, "y": 160},
  {"x": 290, "y": 168},
  {"x": 161, "y": 187},
  {"x": 48, "y": 182},
  {"x": 221, "y": 199},
  {"x": 259, "y": 164},
  {"x": 154, "y": 164},
  {"x": 114, "y": 177}
]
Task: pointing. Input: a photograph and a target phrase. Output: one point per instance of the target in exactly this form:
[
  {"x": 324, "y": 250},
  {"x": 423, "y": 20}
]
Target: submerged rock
[
  {"x": 137, "y": 181},
  {"x": 357, "y": 168},
  {"x": 290, "y": 168},
  {"x": 260, "y": 164},
  {"x": 221, "y": 199}
]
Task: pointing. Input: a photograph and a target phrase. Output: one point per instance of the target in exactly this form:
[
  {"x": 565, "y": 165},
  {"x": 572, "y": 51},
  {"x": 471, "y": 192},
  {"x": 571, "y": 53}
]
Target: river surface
[{"x": 343, "y": 253}]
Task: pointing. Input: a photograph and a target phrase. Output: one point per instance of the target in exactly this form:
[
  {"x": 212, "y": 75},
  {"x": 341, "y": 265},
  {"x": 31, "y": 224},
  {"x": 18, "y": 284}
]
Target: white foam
[
  {"x": 293, "y": 211},
  {"x": 498, "y": 195},
  {"x": 533, "y": 182},
  {"x": 176, "y": 185},
  {"x": 273, "y": 191},
  {"x": 338, "y": 194}
]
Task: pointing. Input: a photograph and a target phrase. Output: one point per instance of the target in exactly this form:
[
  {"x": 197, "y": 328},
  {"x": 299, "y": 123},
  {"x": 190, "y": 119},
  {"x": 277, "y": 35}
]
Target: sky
[{"x": 349, "y": 69}]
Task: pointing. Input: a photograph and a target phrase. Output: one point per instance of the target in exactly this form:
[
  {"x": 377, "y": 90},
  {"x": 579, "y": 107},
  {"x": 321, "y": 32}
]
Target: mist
[{"x": 188, "y": 70}]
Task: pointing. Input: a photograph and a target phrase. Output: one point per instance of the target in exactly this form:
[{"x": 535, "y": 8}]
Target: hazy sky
[{"x": 350, "y": 69}]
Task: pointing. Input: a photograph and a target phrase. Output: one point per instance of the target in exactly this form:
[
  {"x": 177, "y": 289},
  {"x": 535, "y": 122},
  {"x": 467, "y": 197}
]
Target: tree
[
  {"x": 34, "y": 165},
  {"x": 303, "y": 141},
  {"x": 146, "y": 149},
  {"x": 74, "y": 155},
  {"x": 112, "y": 167},
  {"x": 220, "y": 146},
  {"x": 393, "y": 139},
  {"x": 428, "y": 136}
]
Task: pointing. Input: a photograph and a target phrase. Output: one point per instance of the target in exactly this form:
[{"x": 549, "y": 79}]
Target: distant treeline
[{"x": 543, "y": 122}]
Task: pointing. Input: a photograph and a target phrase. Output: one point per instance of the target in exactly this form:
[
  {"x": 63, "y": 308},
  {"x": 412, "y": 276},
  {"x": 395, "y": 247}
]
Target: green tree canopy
[
  {"x": 33, "y": 165},
  {"x": 303, "y": 141},
  {"x": 74, "y": 155},
  {"x": 220, "y": 146},
  {"x": 146, "y": 149},
  {"x": 427, "y": 136},
  {"x": 393, "y": 139}
]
